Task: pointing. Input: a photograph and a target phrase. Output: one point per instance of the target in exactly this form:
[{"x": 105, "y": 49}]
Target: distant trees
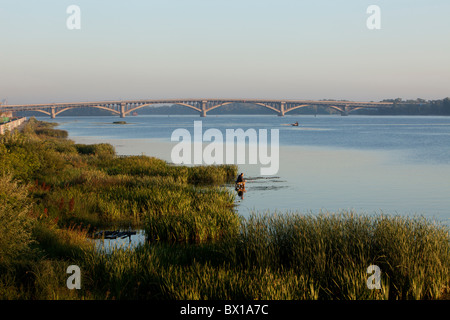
[{"x": 412, "y": 107}]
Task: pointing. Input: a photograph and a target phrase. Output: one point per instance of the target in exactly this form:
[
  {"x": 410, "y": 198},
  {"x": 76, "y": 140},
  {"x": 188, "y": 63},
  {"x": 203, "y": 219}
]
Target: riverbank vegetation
[{"x": 54, "y": 194}]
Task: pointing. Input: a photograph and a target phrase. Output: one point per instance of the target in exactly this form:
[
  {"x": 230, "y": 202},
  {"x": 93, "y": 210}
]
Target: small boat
[
  {"x": 239, "y": 186},
  {"x": 294, "y": 124},
  {"x": 115, "y": 234}
]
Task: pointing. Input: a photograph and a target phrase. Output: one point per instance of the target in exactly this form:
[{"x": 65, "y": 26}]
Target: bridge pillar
[
  {"x": 53, "y": 112},
  {"x": 282, "y": 105},
  {"x": 122, "y": 110},
  {"x": 203, "y": 113},
  {"x": 345, "y": 111}
]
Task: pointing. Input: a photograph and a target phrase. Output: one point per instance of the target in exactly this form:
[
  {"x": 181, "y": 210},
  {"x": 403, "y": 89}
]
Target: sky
[{"x": 277, "y": 49}]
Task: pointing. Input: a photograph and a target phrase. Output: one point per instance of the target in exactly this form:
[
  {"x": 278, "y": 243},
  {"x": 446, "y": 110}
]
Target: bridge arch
[
  {"x": 69, "y": 108},
  {"x": 266, "y": 106},
  {"x": 296, "y": 107},
  {"x": 65, "y": 109},
  {"x": 341, "y": 110},
  {"x": 219, "y": 105},
  {"x": 103, "y": 108},
  {"x": 149, "y": 104},
  {"x": 42, "y": 111},
  {"x": 357, "y": 108},
  {"x": 245, "y": 102}
]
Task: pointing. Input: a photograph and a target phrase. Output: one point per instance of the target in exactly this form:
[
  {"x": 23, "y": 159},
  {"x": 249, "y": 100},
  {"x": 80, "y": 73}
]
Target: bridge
[{"x": 125, "y": 107}]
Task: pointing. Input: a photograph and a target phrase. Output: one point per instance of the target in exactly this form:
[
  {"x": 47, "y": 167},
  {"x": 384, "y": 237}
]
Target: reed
[
  {"x": 335, "y": 250},
  {"x": 15, "y": 224},
  {"x": 203, "y": 281},
  {"x": 192, "y": 216},
  {"x": 285, "y": 256}
]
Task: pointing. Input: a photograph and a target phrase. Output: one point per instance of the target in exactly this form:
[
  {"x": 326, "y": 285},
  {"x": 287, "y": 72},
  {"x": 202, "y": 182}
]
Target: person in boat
[
  {"x": 240, "y": 182},
  {"x": 240, "y": 185}
]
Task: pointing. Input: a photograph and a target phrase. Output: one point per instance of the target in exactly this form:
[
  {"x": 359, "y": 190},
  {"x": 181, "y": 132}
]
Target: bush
[
  {"x": 15, "y": 224},
  {"x": 212, "y": 174},
  {"x": 101, "y": 149},
  {"x": 54, "y": 133}
]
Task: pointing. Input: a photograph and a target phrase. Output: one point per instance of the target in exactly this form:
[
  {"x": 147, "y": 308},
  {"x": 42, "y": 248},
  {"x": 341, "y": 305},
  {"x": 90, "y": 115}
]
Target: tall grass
[
  {"x": 15, "y": 225},
  {"x": 54, "y": 192},
  {"x": 206, "y": 214},
  {"x": 284, "y": 256},
  {"x": 336, "y": 249},
  {"x": 147, "y": 273}
]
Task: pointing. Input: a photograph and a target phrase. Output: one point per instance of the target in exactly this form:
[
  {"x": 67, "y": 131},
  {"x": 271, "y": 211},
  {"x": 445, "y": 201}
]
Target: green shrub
[
  {"x": 101, "y": 149},
  {"x": 15, "y": 224},
  {"x": 220, "y": 174},
  {"x": 54, "y": 133}
]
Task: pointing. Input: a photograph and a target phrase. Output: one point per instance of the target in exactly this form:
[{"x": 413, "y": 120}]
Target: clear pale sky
[{"x": 292, "y": 49}]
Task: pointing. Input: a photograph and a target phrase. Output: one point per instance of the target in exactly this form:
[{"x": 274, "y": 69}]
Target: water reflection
[
  {"x": 107, "y": 245},
  {"x": 318, "y": 179}
]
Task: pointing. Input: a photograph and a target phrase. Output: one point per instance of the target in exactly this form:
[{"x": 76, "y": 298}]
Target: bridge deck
[{"x": 124, "y": 107}]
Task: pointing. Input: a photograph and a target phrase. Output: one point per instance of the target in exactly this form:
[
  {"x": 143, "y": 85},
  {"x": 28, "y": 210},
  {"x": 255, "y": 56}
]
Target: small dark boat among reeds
[{"x": 114, "y": 234}]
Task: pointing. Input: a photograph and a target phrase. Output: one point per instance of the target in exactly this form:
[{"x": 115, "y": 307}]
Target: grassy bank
[
  {"x": 287, "y": 257},
  {"x": 54, "y": 193}
]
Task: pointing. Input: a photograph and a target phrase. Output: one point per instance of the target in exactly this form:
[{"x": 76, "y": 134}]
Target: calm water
[
  {"x": 109, "y": 245},
  {"x": 329, "y": 163}
]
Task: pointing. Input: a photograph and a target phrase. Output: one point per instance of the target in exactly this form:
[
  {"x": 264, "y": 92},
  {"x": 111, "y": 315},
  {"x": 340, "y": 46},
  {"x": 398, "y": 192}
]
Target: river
[{"x": 369, "y": 164}]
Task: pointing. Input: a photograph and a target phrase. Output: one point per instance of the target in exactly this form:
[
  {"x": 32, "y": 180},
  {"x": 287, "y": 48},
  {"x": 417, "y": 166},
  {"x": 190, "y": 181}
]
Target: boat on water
[
  {"x": 239, "y": 186},
  {"x": 291, "y": 124}
]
